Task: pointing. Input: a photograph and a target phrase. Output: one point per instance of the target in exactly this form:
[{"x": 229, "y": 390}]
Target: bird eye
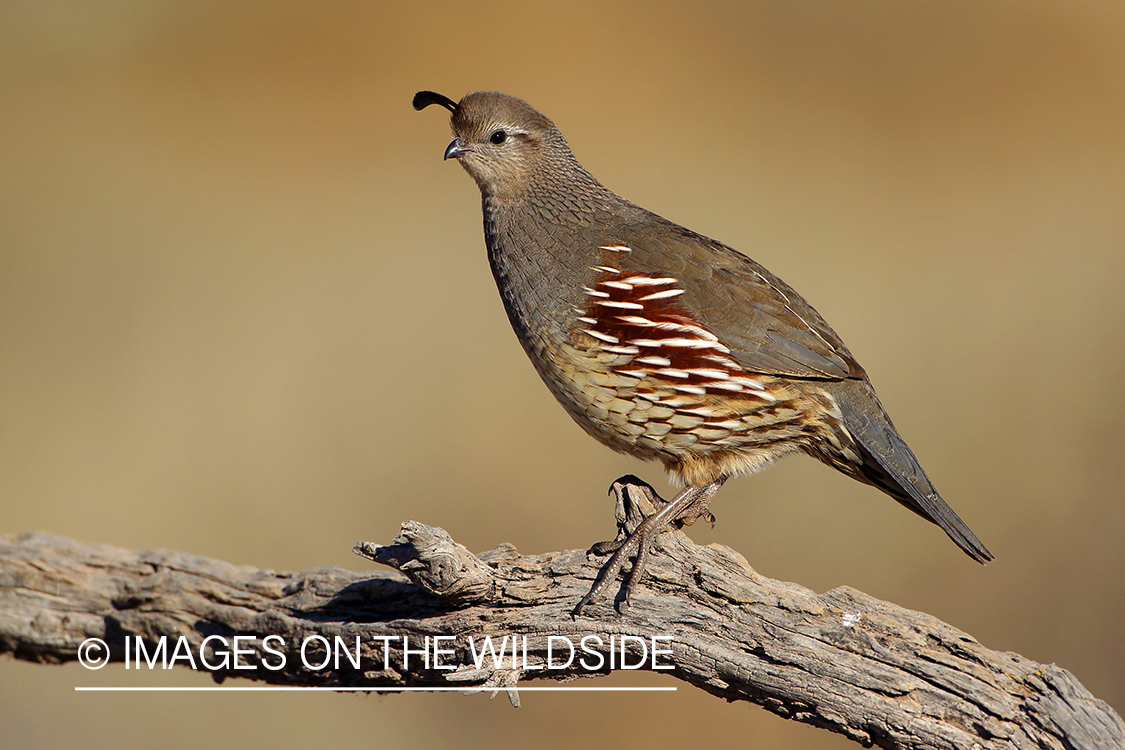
[{"x": 498, "y": 137}]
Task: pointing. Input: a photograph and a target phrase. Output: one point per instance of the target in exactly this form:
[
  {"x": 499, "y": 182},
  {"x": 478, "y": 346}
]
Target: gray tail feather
[{"x": 890, "y": 465}]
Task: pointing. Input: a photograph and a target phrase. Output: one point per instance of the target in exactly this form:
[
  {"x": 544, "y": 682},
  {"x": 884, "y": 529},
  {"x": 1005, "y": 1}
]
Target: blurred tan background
[{"x": 245, "y": 311}]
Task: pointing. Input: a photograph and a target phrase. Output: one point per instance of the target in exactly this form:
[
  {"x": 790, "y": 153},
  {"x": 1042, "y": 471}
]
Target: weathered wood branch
[{"x": 842, "y": 660}]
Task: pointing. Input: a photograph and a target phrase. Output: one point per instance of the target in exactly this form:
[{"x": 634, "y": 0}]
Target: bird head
[{"x": 501, "y": 141}]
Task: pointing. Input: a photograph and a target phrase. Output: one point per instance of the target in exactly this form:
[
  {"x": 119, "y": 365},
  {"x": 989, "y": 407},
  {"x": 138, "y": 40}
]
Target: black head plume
[{"x": 424, "y": 99}]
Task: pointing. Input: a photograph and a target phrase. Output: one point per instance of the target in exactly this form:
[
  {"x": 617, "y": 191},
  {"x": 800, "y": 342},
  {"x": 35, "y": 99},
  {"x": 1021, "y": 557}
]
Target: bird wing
[{"x": 769, "y": 328}]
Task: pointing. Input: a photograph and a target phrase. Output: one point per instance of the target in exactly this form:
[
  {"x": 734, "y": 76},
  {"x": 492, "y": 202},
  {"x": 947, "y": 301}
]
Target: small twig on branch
[{"x": 842, "y": 660}]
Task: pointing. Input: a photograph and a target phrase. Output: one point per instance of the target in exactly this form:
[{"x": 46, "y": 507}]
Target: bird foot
[
  {"x": 636, "y": 500},
  {"x": 642, "y": 515}
]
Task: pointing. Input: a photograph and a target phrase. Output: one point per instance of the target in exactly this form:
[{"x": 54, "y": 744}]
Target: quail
[{"x": 665, "y": 344}]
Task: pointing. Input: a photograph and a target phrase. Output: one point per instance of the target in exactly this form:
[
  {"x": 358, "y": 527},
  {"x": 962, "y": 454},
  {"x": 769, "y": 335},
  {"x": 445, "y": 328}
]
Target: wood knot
[{"x": 430, "y": 558}]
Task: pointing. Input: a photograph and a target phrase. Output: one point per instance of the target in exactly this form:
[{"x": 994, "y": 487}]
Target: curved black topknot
[{"x": 424, "y": 99}]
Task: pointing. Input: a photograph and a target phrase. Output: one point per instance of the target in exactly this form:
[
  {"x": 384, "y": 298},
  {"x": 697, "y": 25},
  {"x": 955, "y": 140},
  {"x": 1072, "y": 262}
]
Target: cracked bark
[{"x": 842, "y": 660}]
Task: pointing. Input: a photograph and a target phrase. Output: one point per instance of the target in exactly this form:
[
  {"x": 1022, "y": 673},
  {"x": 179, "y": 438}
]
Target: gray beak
[{"x": 455, "y": 148}]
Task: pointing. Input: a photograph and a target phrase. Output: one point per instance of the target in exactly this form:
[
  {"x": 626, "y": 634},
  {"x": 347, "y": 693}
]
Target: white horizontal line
[{"x": 294, "y": 689}]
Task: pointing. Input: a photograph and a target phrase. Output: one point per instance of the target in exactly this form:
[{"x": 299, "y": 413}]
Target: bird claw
[
  {"x": 632, "y": 493},
  {"x": 707, "y": 515},
  {"x": 605, "y": 548},
  {"x": 638, "y": 543}
]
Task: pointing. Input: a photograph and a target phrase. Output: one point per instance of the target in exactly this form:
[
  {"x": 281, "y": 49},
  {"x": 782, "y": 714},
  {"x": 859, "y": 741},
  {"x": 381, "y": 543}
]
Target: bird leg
[{"x": 684, "y": 509}]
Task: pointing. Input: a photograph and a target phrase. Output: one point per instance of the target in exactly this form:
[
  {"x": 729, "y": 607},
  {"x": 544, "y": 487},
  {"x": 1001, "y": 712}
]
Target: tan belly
[{"x": 697, "y": 433}]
